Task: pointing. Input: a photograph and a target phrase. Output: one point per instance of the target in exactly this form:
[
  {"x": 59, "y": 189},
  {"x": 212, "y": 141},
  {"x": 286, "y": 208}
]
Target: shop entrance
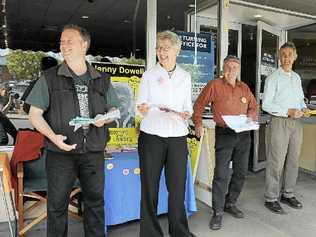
[
  {"x": 269, "y": 40},
  {"x": 255, "y": 34}
]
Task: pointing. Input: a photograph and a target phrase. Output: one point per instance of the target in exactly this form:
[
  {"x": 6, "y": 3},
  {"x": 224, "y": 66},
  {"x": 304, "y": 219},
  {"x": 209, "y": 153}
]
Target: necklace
[
  {"x": 170, "y": 72},
  {"x": 173, "y": 69}
]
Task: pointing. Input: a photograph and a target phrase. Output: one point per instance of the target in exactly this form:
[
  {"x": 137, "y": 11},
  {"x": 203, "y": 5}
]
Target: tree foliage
[
  {"x": 24, "y": 64},
  {"x": 132, "y": 60}
]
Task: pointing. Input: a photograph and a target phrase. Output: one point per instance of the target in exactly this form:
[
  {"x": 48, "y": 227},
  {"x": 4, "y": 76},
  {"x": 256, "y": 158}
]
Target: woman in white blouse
[{"x": 164, "y": 101}]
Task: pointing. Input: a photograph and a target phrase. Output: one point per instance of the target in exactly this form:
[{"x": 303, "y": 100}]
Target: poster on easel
[
  {"x": 125, "y": 80},
  {"x": 205, "y": 169},
  {"x": 194, "y": 147}
]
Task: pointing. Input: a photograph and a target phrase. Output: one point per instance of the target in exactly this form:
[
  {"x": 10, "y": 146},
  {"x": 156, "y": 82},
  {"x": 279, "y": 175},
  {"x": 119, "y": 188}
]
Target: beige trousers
[{"x": 283, "y": 145}]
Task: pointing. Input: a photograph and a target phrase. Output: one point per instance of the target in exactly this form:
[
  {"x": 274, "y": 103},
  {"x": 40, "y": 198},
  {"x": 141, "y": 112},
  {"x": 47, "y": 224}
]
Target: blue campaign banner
[{"x": 203, "y": 71}]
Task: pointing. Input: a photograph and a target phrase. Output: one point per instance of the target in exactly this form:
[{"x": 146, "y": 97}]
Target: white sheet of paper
[{"x": 240, "y": 123}]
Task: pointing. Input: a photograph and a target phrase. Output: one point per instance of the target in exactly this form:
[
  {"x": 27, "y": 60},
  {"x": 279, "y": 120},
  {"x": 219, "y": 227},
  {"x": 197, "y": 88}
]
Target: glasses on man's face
[{"x": 164, "y": 49}]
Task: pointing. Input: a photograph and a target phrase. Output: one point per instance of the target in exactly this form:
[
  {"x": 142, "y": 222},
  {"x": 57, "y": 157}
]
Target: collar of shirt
[
  {"x": 166, "y": 72},
  {"x": 238, "y": 83},
  {"x": 289, "y": 74},
  {"x": 64, "y": 70}
]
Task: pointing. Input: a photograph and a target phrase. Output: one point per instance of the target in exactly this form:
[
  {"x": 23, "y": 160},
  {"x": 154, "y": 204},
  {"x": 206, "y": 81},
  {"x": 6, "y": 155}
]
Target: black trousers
[
  {"x": 235, "y": 147},
  {"x": 155, "y": 153},
  {"x": 62, "y": 171}
]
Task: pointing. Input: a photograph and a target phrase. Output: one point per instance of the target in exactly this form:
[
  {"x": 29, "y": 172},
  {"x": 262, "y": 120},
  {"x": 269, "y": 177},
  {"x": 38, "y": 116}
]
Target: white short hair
[{"x": 173, "y": 37}]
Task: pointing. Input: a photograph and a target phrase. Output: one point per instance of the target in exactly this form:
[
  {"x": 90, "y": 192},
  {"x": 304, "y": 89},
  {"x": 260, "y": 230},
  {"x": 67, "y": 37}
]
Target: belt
[
  {"x": 218, "y": 128},
  {"x": 227, "y": 130}
]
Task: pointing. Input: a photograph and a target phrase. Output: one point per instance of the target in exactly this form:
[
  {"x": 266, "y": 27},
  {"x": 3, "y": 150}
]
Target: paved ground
[{"x": 259, "y": 222}]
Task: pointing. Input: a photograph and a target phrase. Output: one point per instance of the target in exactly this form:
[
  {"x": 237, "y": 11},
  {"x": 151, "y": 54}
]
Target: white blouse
[{"x": 159, "y": 90}]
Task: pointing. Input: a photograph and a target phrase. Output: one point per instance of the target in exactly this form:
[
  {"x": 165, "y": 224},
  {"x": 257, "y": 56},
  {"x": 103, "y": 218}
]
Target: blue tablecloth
[{"x": 122, "y": 189}]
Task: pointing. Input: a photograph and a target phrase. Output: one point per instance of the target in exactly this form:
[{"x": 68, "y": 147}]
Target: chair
[
  {"x": 32, "y": 186},
  {"x": 31, "y": 183},
  {"x": 7, "y": 194}
]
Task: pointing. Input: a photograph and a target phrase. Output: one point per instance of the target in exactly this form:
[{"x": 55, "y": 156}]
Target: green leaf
[{"x": 24, "y": 64}]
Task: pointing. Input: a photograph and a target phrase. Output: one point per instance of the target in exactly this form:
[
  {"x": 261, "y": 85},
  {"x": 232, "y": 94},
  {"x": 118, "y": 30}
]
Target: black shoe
[
  {"x": 234, "y": 211},
  {"x": 292, "y": 202},
  {"x": 216, "y": 222},
  {"x": 274, "y": 207}
]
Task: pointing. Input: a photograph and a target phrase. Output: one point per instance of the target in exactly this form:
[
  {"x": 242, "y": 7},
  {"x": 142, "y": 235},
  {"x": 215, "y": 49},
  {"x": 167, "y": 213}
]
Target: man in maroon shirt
[{"x": 227, "y": 96}]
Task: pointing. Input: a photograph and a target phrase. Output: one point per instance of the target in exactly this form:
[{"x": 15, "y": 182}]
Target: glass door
[
  {"x": 268, "y": 44},
  {"x": 209, "y": 25},
  {"x": 269, "y": 40}
]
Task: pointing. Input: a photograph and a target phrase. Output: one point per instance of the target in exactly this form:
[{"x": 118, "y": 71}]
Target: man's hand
[
  {"x": 306, "y": 112},
  {"x": 143, "y": 108},
  {"x": 199, "y": 131},
  {"x": 101, "y": 122},
  {"x": 59, "y": 139},
  {"x": 295, "y": 113},
  {"x": 37, "y": 120}
]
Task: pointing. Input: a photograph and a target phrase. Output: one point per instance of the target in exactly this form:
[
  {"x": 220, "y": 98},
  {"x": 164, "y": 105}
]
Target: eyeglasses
[{"x": 164, "y": 49}]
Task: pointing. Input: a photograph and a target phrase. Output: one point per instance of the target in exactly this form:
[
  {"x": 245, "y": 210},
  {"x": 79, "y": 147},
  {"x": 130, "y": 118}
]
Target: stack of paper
[{"x": 240, "y": 123}]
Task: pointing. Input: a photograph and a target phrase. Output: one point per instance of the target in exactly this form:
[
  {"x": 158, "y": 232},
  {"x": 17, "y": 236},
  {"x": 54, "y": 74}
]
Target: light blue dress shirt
[{"x": 282, "y": 91}]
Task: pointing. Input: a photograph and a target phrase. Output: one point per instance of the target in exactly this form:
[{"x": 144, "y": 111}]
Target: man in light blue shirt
[{"x": 283, "y": 98}]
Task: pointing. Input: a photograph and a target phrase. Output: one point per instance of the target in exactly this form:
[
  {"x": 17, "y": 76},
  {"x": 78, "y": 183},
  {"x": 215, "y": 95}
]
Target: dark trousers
[
  {"x": 62, "y": 171},
  {"x": 235, "y": 147},
  {"x": 155, "y": 153}
]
